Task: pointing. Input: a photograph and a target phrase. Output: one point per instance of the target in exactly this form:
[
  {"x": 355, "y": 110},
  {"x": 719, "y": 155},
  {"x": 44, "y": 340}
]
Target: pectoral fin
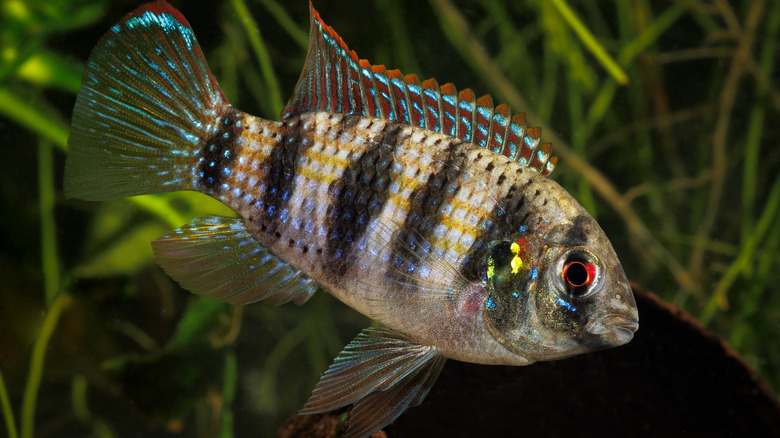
[
  {"x": 217, "y": 257},
  {"x": 383, "y": 373}
]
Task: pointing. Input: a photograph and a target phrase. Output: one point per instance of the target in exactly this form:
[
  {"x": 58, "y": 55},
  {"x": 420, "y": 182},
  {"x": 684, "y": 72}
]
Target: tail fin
[{"x": 147, "y": 105}]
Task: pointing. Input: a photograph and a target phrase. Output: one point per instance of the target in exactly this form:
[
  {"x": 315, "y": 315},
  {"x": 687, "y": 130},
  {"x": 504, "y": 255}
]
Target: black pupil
[{"x": 576, "y": 274}]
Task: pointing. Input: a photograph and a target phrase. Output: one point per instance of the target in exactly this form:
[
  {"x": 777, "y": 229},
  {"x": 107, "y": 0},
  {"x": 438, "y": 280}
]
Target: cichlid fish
[{"x": 424, "y": 208}]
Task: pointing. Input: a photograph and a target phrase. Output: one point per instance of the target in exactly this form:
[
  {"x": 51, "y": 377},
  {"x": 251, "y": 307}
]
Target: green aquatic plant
[{"x": 660, "y": 112}]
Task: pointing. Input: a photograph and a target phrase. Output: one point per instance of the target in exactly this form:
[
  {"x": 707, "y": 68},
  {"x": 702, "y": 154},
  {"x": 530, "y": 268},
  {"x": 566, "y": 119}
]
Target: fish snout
[{"x": 614, "y": 329}]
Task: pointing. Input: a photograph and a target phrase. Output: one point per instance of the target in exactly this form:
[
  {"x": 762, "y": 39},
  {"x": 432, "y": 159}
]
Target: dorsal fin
[{"x": 335, "y": 80}]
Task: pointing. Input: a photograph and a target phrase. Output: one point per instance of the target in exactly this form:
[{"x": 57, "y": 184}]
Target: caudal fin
[{"x": 146, "y": 107}]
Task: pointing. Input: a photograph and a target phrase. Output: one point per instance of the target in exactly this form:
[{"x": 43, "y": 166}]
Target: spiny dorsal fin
[{"x": 335, "y": 80}]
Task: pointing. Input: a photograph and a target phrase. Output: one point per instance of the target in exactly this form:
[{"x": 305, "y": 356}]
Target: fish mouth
[{"x": 616, "y": 329}]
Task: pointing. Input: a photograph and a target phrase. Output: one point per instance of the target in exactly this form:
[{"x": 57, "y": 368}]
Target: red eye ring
[{"x": 579, "y": 274}]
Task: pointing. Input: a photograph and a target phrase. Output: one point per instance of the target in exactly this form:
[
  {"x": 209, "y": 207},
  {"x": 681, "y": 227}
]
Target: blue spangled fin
[
  {"x": 217, "y": 257},
  {"x": 334, "y": 79},
  {"x": 146, "y": 103},
  {"x": 383, "y": 372}
]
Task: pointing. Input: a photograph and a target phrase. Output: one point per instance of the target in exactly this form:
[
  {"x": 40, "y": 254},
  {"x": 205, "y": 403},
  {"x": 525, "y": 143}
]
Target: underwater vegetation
[{"x": 660, "y": 112}]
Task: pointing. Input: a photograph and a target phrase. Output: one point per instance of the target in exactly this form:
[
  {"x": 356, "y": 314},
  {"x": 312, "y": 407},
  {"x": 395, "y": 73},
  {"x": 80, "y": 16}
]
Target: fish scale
[{"x": 422, "y": 207}]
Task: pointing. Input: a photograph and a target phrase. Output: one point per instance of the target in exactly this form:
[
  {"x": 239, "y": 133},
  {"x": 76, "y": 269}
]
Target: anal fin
[
  {"x": 218, "y": 258},
  {"x": 383, "y": 373}
]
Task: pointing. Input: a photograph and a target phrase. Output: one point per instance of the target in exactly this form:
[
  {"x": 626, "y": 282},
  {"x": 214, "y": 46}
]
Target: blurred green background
[{"x": 664, "y": 115}]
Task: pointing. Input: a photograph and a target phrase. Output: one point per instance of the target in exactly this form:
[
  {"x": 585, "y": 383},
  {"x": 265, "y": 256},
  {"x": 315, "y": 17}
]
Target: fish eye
[{"x": 579, "y": 273}]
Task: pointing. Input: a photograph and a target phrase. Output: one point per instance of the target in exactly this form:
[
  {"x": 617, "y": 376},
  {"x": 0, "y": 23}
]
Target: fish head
[{"x": 559, "y": 293}]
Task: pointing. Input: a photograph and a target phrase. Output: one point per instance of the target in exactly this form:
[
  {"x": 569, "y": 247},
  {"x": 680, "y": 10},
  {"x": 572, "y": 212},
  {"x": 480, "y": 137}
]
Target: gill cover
[{"x": 554, "y": 296}]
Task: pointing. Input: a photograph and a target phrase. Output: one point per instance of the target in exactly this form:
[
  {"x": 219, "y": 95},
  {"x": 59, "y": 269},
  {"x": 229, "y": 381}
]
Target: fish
[{"x": 425, "y": 208}]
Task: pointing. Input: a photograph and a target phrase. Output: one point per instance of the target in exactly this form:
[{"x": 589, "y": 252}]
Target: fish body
[{"x": 424, "y": 208}]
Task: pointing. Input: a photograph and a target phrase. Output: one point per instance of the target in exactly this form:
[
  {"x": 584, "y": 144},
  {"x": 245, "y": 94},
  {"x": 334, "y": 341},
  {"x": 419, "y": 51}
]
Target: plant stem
[
  {"x": 590, "y": 41},
  {"x": 8, "y": 412},
  {"x": 728, "y": 98},
  {"x": 746, "y": 256},
  {"x": 253, "y": 33},
  {"x": 37, "y": 362},
  {"x": 296, "y": 33},
  {"x": 30, "y": 116},
  {"x": 228, "y": 396},
  {"x": 49, "y": 260}
]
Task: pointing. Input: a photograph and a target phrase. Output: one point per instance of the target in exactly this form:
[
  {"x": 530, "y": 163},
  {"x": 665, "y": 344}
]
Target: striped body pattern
[
  {"x": 339, "y": 194},
  {"x": 424, "y": 208},
  {"x": 345, "y": 172}
]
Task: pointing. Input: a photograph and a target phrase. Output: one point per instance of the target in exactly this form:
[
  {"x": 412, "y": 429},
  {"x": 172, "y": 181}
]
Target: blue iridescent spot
[
  {"x": 516, "y": 294},
  {"x": 451, "y": 118},
  {"x": 467, "y": 124},
  {"x": 489, "y": 303},
  {"x": 499, "y": 140},
  {"x": 449, "y": 99},
  {"x": 386, "y": 98},
  {"x": 402, "y": 101},
  {"x": 522, "y": 229},
  {"x": 534, "y": 274},
  {"x": 376, "y": 111},
  {"x": 419, "y": 111},
  {"x": 566, "y": 304}
]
